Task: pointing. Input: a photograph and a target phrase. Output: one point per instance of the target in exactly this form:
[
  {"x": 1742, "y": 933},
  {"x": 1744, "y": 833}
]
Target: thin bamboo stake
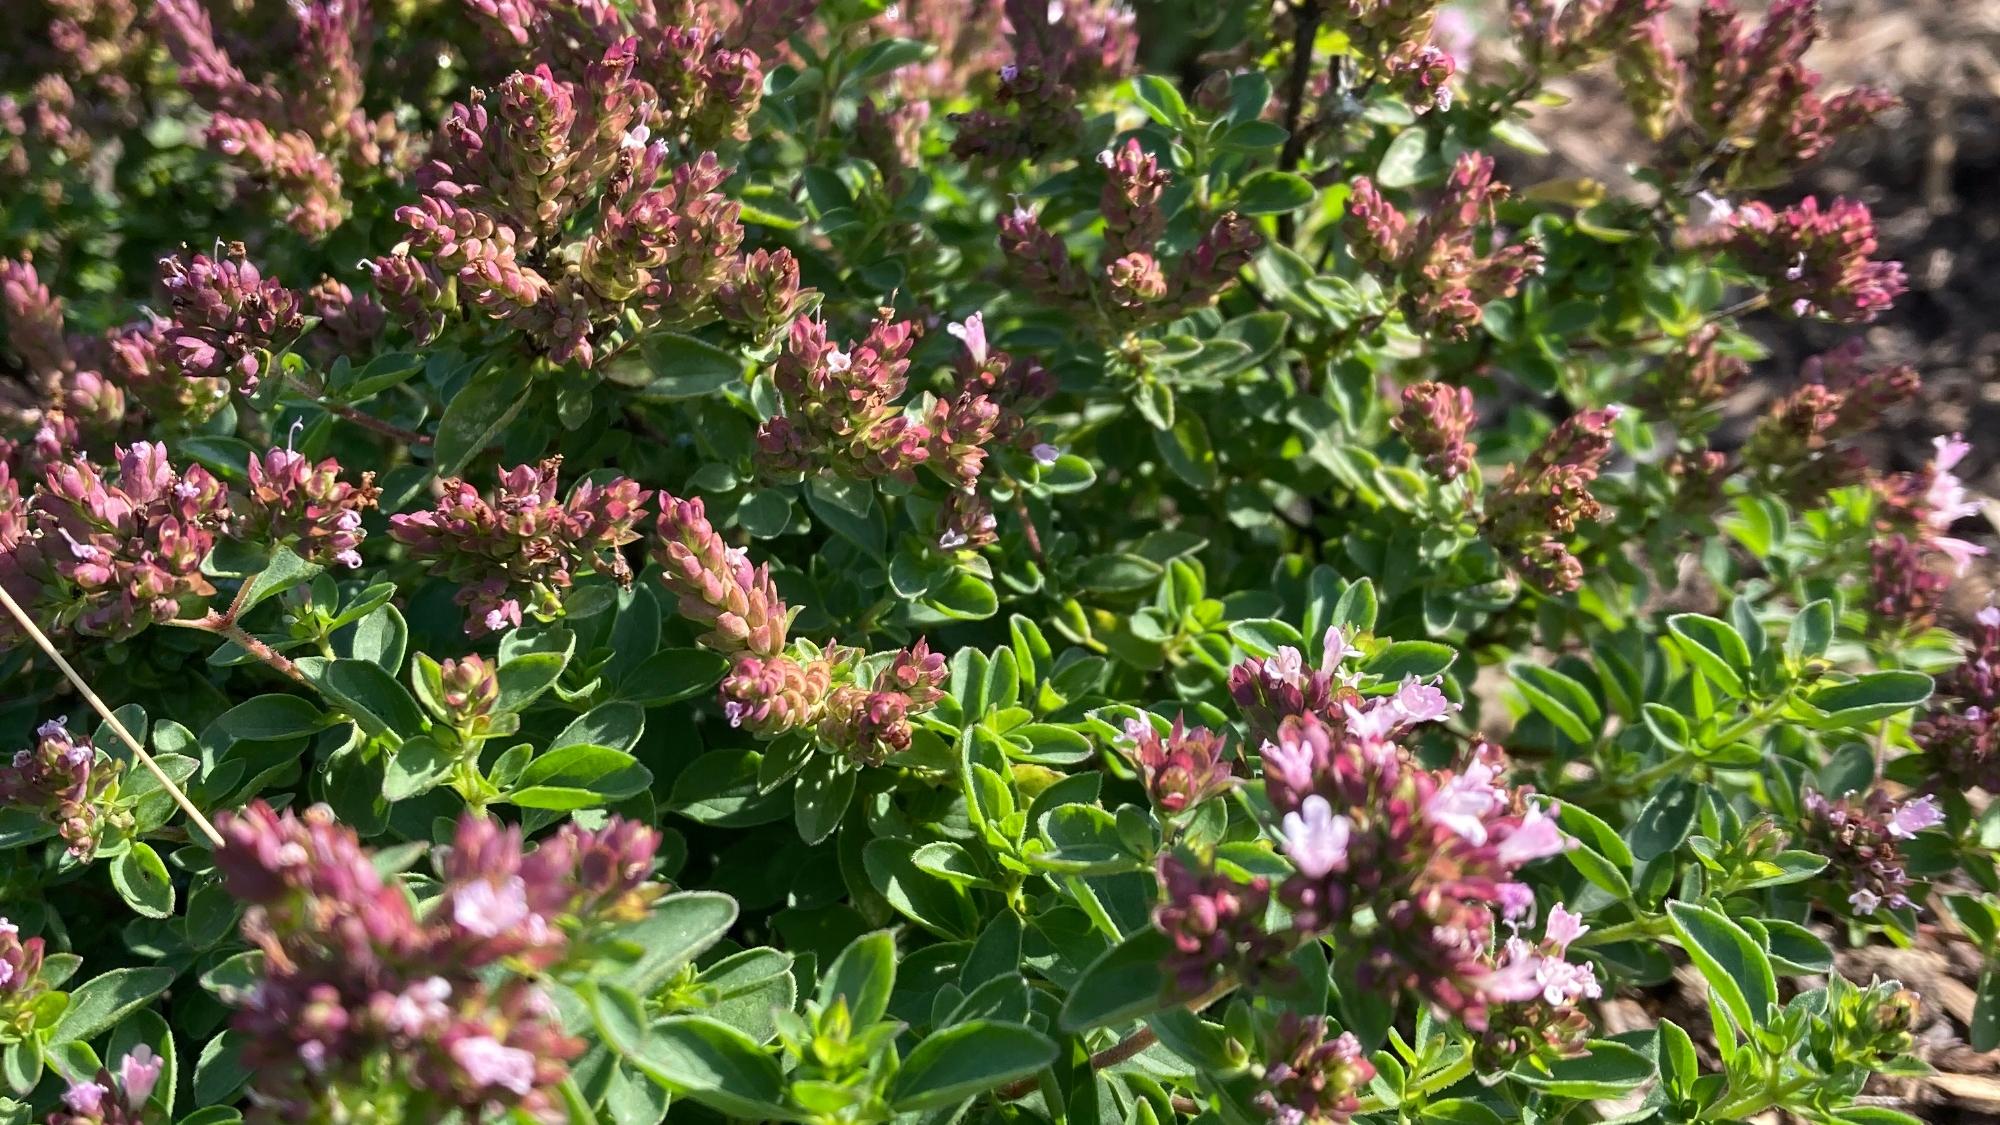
[{"x": 180, "y": 797}]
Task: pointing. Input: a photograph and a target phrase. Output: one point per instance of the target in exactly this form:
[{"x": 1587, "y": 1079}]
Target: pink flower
[
  {"x": 1864, "y": 901},
  {"x": 1316, "y": 837},
  {"x": 486, "y": 909},
  {"x": 1464, "y": 803},
  {"x": 972, "y": 331},
  {"x": 488, "y": 1062},
  {"x": 138, "y": 1073},
  {"x": 1420, "y": 702},
  {"x": 1564, "y": 927},
  {"x": 1333, "y": 649},
  {"x": 1046, "y": 454},
  {"x": 1517, "y": 901},
  {"x": 1286, "y": 667},
  {"x": 1912, "y": 817},
  {"x": 84, "y": 1098},
  {"x": 1536, "y": 838}
]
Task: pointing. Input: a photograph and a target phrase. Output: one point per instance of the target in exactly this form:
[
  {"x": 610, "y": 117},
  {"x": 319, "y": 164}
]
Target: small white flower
[
  {"x": 1046, "y": 454},
  {"x": 837, "y": 360},
  {"x": 1864, "y": 901},
  {"x": 1316, "y": 837}
]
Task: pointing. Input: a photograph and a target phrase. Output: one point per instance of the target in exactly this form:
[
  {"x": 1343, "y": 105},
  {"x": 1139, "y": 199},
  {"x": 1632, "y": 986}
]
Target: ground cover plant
[{"x": 577, "y": 561}]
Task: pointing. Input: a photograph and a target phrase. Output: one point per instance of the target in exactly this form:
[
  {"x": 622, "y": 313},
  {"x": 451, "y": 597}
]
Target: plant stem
[
  {"x": 1125, "y": 1048},
  {"x": 42, "y": 641},
  {"x": 223, "y": 625},
  {"x": 370, "y": 422},
  {"x": 1305, "y": 31}
]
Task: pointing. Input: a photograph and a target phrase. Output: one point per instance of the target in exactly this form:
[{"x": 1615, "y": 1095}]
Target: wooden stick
[{"x": 118, "y": 728}]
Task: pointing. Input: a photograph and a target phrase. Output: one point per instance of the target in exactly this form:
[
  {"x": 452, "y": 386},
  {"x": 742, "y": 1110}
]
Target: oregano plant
[{"x": 831, "y": 561}]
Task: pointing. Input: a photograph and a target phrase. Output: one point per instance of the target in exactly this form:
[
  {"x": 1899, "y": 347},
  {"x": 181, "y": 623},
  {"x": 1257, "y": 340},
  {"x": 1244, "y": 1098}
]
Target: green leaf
[
  {"x": 525, "y": 677},
  {"x": 269, "y": 718},
  {"x": 1985, "y": 1029},
  {"x": 476, "y": 415},
  {"x": 1111, "y": 574},
  {"x": 1559, "y": 699},
  {"x": 1732, "y": 962},
  {"x": 693, "y": 1056},
  {"x": 1811, "y": 632},
  {"x": 604, "y": 774},
  {"x": 864, "y": 974},
  {"x": 140, "y": 878},
  {"x": 672, "y": 674},
  {"x": 1271, "y": 192},
  {"x": 1422, "y": 659},
  {"x": 1404, "y": 163},
  {"x": 680, "y": 928},
  {"x": 1665, "y": 819},
  {"x": 283, "y": 572},
  {"x": 1867, "y": 698},
  {"x": 414, "y": 768},
  {"x": 376, "y": 702},
  {"x": 1356, "y": 608},
  {"x": 1608, "y": 1070},
  {"x": 959, "y": 1062},
  {"x": 1715, "y": 647},
  {"x": 1124, "y": 983},
  {"x": 102, "y": 1001},
  {"x": 820, "y": 798},
  {"x": 684, "y": 367},
  {"x": 1163, "y": 102}
]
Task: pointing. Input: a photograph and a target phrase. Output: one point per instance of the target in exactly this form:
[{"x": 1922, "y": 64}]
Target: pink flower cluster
[
  {"x": 1534, "y": 510},
  {"x": 1133, "y": 285},
  {"x": 108, "y": 559},
  {"x": 60, "y": 780},
  {"x": 20, "y": 979},
  {"x": 762, "y": 294},
  {"x": 112, "y": 1098},
  {"x": 700, "y": 66},
  {"x": 1816, "y": 261},
  {"x": 1182, "y": 768},
  {"x": 1561, "y": 38},
  {"x": 839, "y": 408},
  {"x": 1437, "y": 265},
  {"x": 1542, "y": 1015},
  {"x": 715, "y": 585},
  {"x": 518, "y": 552},
  {"x": 297, "y": 129},
  {"x": 1904, "y": 591},
  {"x": 1268, "y": 692},
  {"x": 1929, "y": 502},
  {"x": 1795, "y": 448},
  {"x": 1693, "y": 381},
  {"x": 468, "y": 688},
  {"x": 1962, "y": 741},
  {"x": 1216, "y": 925},
  {"x": 305, "y": 506},
  {"x": 508, "y": 173},
  {"x": 1309, "y": 1079},
  {"x": 1748, "y": 109},
  {"x": 1394, "y": 41},
  {"x": 60, "y": 401},
  {"x": 227, "y": 317},
  {"x": 356, "y": 985},
  {"x": 1859, "y": 836},
  {"x": 840, "y": 413},
  {"x": 1060, "y": 50},
  {"x": 1430, "y": 852},
  {"x": 1435, "y": 421},
  {"x": 868, "y": 722}
]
